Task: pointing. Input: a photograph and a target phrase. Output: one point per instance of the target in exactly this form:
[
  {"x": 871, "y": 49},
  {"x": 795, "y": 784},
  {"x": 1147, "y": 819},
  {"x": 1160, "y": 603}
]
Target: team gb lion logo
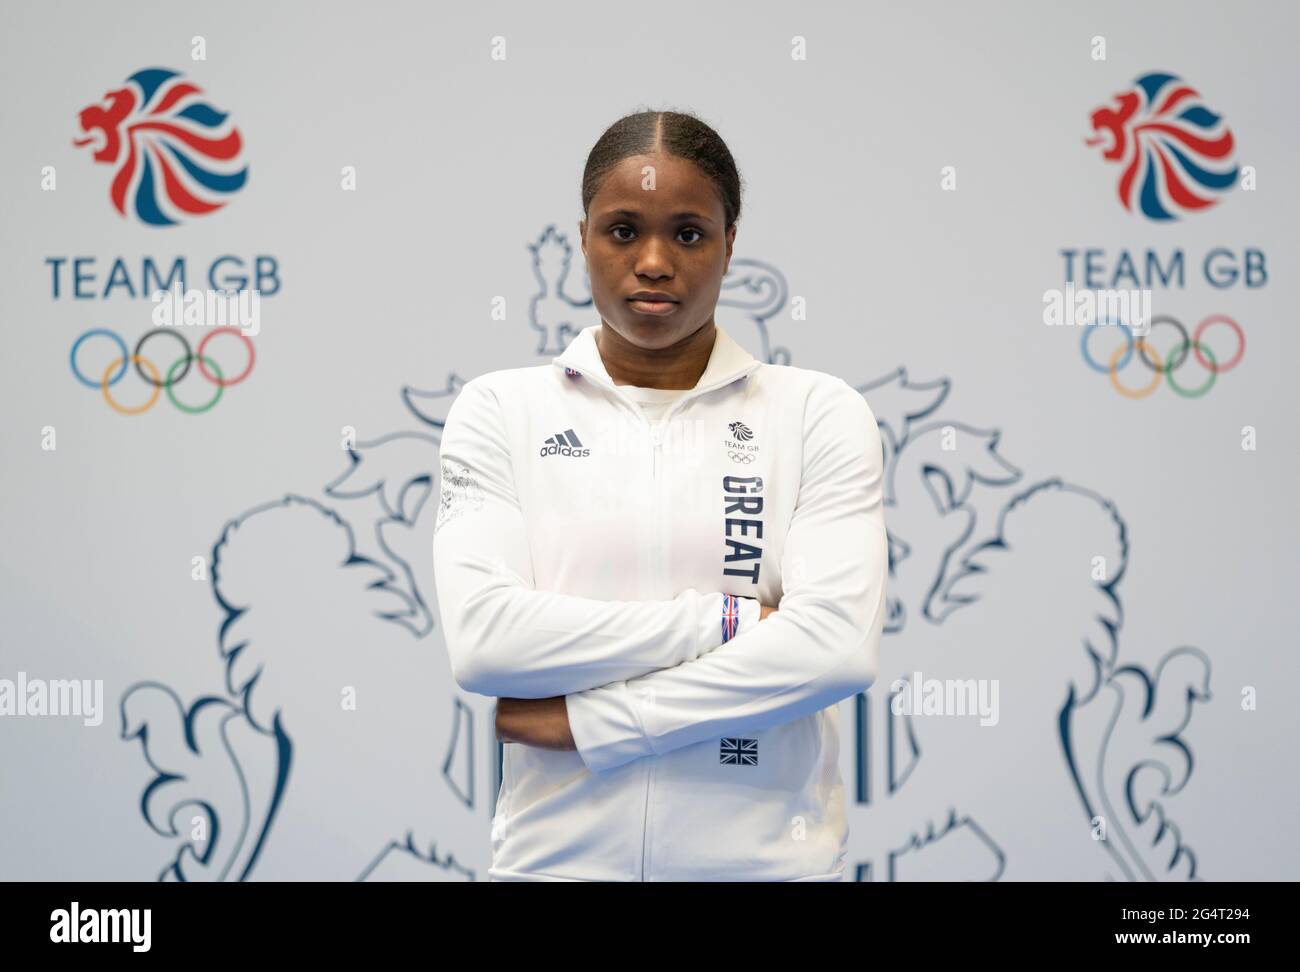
[
  {"x": 1176, "y": 154},
  {"x": 174, "y": 155}
]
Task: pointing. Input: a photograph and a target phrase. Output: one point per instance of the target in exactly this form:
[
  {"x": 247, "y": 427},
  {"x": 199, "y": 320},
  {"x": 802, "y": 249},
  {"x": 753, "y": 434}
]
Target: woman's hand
[
  {"x": 764, "y": 611},
  {"x": 535, "y": 722}
]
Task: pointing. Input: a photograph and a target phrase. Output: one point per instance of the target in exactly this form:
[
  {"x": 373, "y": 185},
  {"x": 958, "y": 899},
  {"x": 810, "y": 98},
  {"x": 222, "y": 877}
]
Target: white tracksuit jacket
[{"x": 581, "y": 551}]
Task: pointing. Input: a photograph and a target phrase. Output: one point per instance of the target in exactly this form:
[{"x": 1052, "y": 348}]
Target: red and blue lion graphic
[
  {"x": 175, "y": 156},
  {"x": 1176, "y": 153}
]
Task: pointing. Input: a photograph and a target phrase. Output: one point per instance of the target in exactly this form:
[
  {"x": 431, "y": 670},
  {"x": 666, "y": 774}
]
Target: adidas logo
[{"x": 564, "y": 443}]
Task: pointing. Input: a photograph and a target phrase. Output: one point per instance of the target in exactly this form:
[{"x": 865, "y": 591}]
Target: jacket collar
[{"x": 728, "y": 361}]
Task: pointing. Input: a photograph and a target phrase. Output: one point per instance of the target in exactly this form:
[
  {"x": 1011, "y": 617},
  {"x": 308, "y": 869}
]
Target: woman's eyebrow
[{"x": 635, "y": 214}]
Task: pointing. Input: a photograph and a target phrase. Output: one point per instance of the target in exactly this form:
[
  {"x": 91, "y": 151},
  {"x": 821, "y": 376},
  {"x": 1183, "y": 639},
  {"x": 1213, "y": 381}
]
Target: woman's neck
[{"x": 676, "y": 367}]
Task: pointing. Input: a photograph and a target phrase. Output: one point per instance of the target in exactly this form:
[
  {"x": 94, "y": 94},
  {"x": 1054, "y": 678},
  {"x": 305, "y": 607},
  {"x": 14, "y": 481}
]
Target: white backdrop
[{"x": 1157, "y": 697}]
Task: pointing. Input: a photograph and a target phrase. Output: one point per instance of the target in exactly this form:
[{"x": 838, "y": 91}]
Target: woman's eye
[{"x": 627, "y": 229}]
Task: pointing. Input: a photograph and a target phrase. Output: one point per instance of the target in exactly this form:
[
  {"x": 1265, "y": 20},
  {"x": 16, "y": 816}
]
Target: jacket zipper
[
  {"x": 657, "y": 440},
  {"x": 655, "y": 434}
]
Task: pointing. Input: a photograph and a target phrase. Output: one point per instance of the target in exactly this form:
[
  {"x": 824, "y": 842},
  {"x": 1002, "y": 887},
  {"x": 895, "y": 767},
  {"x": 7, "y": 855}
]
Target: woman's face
[{"x": 669, "y": 239}]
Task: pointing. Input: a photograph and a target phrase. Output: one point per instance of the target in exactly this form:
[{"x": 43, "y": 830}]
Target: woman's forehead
[{"x": 679, "y": 186}]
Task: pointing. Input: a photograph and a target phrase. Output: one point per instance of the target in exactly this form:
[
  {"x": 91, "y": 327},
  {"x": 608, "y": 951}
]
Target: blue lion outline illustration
[{"x": 318, "y": 593}]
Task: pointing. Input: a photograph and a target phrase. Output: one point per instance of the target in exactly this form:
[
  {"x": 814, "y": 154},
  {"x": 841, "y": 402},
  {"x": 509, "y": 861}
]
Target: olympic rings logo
[
  {"x": 741, "y": 457},
  {"x": 142, "y": 365},
  {"x": 1165, "y": 367}
]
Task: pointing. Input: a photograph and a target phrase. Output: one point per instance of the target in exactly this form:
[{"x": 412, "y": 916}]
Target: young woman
[{"x": 665, "y": 558}]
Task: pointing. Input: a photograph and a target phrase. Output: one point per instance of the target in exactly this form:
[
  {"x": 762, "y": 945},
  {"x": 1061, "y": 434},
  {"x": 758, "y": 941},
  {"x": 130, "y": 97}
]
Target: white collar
[{"x": 728, "y": 361}]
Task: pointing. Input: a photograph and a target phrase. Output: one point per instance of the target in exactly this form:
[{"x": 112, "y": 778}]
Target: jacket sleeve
[
  {"x": 822, "y": 645},
  {"x": 505, "y": 638}
]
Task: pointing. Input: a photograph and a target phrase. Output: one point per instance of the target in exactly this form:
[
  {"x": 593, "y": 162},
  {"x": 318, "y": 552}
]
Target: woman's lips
[{"x": 654, "y": 306}]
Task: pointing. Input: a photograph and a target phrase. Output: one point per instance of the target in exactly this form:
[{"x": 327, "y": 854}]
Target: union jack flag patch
[
  {"x": 730, "y": 616},
  {"x": 740, "y": 752}
]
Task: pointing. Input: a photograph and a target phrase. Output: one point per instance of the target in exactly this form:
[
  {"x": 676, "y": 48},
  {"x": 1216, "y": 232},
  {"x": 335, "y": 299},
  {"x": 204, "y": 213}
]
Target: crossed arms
[{"x": 642, "y": 678}]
